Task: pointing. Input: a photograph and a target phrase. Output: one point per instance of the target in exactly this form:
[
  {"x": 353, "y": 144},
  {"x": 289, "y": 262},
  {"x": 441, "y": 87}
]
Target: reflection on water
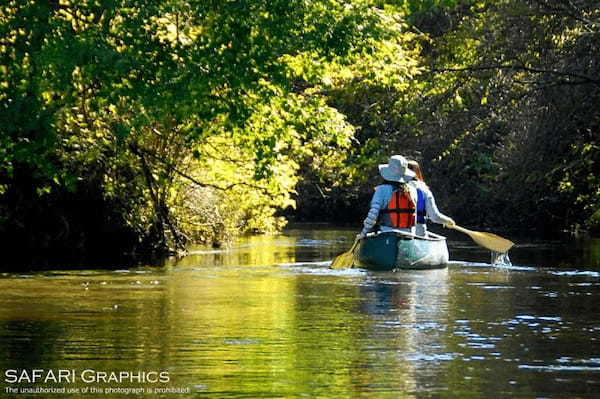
[{"x": 267, "y": 318}]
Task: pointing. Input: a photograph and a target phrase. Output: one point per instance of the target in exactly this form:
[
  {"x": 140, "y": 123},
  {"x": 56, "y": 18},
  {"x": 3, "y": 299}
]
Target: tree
[
  {"x": 150, "y": 108},
  {"x": 533, "y": 69}
]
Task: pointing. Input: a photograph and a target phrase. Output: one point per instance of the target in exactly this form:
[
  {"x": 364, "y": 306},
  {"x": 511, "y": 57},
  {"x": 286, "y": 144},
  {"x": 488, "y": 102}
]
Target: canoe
[{"x": 396, "y": 250}]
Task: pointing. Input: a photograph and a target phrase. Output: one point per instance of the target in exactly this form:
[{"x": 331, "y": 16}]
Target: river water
[{"x": 267, "y": 318}]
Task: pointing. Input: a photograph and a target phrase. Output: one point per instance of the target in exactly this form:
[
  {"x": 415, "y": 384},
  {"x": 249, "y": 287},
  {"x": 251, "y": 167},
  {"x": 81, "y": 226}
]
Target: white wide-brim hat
[{"x": 396, "y": 170}]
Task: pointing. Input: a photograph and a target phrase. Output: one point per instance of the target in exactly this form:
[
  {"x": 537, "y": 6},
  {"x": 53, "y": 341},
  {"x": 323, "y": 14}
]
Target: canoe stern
[{"x": 389, "y": 251}]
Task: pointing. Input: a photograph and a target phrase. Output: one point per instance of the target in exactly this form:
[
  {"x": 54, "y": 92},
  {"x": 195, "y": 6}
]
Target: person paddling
[
  {"x": 394, "y": 203},
  {"x": 425, "y": 203},
  {"x": 419, "y": 181}
]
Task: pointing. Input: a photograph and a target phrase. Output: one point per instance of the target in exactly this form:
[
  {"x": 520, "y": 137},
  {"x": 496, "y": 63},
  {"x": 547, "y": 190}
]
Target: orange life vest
[{"x": 400, "y": 211}]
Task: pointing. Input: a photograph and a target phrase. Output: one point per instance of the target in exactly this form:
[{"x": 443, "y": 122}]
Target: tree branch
[
  {"x": 159, "y": 205},
  {"x": 568, "y": 9},
  {"x": 199, "y": 183},
  {"x": 583, "y": 78}
]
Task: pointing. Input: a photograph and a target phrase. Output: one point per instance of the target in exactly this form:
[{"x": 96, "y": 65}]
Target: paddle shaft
[
  {"x": 351, "y": 250},
  {"x": 461, "y": 229}
]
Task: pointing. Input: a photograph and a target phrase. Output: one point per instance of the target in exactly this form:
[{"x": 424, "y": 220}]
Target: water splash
[{"x": 500, "y": 259}]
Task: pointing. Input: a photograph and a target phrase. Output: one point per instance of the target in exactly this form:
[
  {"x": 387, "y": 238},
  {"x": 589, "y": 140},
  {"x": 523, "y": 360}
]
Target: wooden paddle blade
[
  {"x": 344, "y": 260},
  {"x": 492, "y": 241}
]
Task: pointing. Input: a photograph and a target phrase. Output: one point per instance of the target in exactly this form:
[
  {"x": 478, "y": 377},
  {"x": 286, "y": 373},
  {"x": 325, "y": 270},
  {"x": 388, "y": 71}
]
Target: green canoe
[{"x": 395, "y": 250}]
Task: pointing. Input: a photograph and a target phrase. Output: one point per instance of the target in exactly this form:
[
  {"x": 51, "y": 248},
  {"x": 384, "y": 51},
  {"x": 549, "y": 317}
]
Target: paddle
[
  {"x": 487, "y": 240},
  {"x": 345, "y": 260}
]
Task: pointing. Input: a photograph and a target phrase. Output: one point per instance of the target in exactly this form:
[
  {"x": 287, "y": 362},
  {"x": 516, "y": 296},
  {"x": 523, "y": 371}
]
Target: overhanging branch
[
  {"x": 173, "y": 168},
  {"x": 582, "y": 78}
]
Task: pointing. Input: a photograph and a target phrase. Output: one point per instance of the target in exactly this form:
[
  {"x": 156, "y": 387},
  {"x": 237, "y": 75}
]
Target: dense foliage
[
  {"x": 503, "y": 117},
  {"x": 516, "y": 92},
  {"x": 132, "y": 126}
]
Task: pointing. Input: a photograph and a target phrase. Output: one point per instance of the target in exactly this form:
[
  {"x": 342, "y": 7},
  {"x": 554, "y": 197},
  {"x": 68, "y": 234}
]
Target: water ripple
[{"x": 559, "y": 367}]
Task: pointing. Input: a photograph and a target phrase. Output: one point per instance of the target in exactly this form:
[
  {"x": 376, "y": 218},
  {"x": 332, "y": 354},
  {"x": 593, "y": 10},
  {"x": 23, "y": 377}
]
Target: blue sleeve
[{"x": 378, "y": 202}]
